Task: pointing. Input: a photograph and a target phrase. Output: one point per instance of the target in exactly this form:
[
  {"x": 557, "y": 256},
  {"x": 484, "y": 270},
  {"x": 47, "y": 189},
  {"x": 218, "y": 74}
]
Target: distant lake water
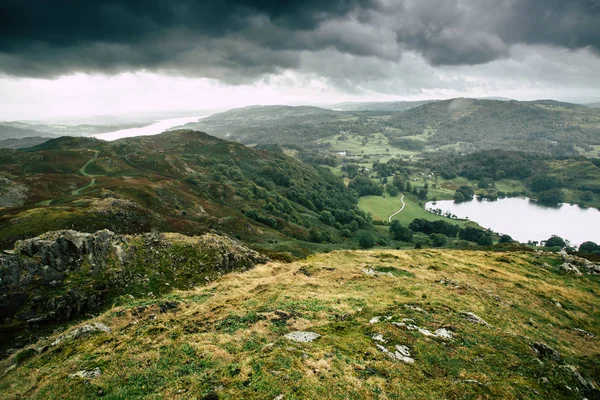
[
  {"x": 152, "y": 129},
  {"x": 525, "y": 219}
]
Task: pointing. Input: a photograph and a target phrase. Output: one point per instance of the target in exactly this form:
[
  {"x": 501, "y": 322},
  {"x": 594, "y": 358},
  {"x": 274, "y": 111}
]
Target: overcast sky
[{"x": 86, "y": 57}]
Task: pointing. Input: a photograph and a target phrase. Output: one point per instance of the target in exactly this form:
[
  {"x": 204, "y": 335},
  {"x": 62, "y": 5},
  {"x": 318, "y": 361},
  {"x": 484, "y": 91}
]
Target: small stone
[
  {"x": 374, "y": 320},
  {"x": 302, "y": 337},
  {"x": 443, "y": 333},
  {"x": 584, "y": 333},
  {"x": 87, "y": 374},
  {"x": 401, "y": 353},
  {"x": 81, "y": 331},
  {"x": 378, "y": 337},
  {"x": 471, "y": 317},
  {"x": 544, "y": 350}
]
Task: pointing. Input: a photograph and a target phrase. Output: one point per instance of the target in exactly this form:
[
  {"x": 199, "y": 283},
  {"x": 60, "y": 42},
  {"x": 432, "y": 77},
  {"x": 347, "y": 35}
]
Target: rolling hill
[
  {"x": 379, "y": 105},
  {"x": 546, "y": 126},
  {"x": 181, "y": 181}
]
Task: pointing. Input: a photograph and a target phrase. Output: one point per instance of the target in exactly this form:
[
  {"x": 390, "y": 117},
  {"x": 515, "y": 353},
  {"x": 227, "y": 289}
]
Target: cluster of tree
[
  {"x": 317, "y": 235},
  {"x": 429, "y": 227},
  {"x": 439, "y": 232},
  {"x": 407, "y": 144},
  {"x": 555, "y": 241},
  {"x": 589, "y": 248},
  {"x": 393, "y": 167},
  {"x": 281, "y": 186},
  {"x": 400, "y": 232},
  {"x": 548, "y": 188},
  {"x": 351, "y": 170},
  {"x": 365, "y": 186},
  {"x": 463, "y": 193},
  {"x": 479, "y": 236},
  {"x": 494, "y": 164}
]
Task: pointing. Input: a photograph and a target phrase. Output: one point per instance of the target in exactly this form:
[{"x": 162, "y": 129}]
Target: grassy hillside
[
  {"x": 543, "y": 126},
  {"x": 8, "y": 131},
  {"x": 22, "y": 143},
  {"x": 467, "y": 124},
  {"x": 181, "y": 181},
  {"x": 379, "y": 105},
  {"x": 392, "y": 325}
]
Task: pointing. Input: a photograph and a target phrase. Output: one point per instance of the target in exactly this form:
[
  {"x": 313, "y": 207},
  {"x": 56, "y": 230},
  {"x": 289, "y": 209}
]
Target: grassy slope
[
  {"x": 382, "y": 207},
  {"x": 226, "y": 339}
]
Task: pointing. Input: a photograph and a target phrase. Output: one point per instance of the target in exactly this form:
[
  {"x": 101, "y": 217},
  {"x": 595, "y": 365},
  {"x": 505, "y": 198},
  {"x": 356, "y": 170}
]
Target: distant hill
[
  {"x": 181, "y": 181},
  {"x": 593, "y": 105},
  {"x": 379, "y": 105},
  {"x": 18, "y": 132},
  {"x": 18, "y": 128},
  {"x": 540, "y": 126},
  {"x": 22, "y": 143},
  {"x": 269, "y": 124}
]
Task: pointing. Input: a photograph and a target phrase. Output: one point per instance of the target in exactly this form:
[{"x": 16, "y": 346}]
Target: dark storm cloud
[
  {"x": 237, "y": 40},
  {"x": 450, "y": 32}
]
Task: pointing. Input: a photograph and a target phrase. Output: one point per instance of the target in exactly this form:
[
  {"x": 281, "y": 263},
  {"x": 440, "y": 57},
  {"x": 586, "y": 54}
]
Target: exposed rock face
[
  {"x": 12, "y": 194},
  {"x": 50, "y": 257},
  {"x": 61, "y": 274},
  {"x": 578, "y": 265}
]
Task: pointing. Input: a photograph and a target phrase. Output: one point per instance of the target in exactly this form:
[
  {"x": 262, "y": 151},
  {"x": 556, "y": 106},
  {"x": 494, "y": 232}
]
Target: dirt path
[
  {"x": 398, "y": 212},
  {"x": 91, "y": 183}
]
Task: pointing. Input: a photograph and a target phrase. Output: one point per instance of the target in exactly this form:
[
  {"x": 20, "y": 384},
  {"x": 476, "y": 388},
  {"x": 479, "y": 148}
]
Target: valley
[{"x": 264, "y": 230}]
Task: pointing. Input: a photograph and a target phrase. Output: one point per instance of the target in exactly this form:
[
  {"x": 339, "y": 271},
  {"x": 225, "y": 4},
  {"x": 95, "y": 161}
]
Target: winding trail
[
  {"x": 82, "y": 170},
  {"x": 398, "y": 212}
]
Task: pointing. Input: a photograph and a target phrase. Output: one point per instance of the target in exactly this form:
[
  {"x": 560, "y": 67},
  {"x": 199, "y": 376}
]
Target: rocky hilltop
[
  {"x": 418, "y": 324},
  {"x": 62, "y": 274}
]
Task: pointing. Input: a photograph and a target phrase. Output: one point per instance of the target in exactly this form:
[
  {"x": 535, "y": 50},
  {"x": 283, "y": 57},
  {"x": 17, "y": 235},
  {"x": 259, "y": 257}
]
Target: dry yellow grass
[{"x": 226, "y": 339}]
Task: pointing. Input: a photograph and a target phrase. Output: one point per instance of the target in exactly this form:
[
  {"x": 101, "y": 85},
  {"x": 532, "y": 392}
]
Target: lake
[
  {"x": 525, "y": 219},
  {"x": 152, "y": 129}
]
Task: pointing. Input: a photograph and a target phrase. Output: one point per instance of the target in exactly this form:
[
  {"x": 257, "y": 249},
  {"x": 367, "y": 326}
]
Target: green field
[
  {"x": 382, "y": 207},
  {"x": 377, "y": 146}
]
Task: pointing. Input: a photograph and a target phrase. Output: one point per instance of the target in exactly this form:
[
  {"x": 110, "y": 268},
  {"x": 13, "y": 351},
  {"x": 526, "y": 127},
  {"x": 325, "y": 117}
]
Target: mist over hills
[{"x": 540, "y": 126}]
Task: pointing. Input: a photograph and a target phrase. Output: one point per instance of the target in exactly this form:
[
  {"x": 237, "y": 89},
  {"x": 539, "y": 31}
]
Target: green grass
[
  {"x": 377, "y": 145},
  {"x": 382, "y": 207},
  {"x": 231, "y": 344}
]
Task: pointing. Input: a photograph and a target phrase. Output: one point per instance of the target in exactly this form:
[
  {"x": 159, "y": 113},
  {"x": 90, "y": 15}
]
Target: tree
[
  {"x": 365, "y": 186},
  {"x": 459, "y": 196},
  {"x": 400, "y": 232},
  {"x": 587, "y": 196},
  {"x": 555, "y": 241},
  {"x": 589, "y": 247},
  {"x": 485, "y": 239},
  {"x": 438, "y": 240},
  {"x": 365, "y": 240},
  {"x": 552, "y": 196},
  {"x": 505, "y": 239},
  {"x": 541, "y": 183},
  {"x": 392, "y": 190},
  {"x": 327, "y": 218},
  {"x": 464, "y": 193}
]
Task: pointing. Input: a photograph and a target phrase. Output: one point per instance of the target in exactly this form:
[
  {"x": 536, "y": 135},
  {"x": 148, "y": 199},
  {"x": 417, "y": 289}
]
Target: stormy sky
[{"x": 62, "y": 57}]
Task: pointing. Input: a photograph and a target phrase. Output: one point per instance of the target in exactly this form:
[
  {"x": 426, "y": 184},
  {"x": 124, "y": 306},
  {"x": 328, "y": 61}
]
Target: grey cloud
[{"x": 240, "y": 40}]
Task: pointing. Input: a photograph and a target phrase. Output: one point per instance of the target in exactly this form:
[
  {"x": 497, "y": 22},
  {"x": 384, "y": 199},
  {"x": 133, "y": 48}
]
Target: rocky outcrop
[
  {"x": 12, "y": 194},
  {"x": 62, "y": 274},
  {"x": 578, "y": 265}
]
